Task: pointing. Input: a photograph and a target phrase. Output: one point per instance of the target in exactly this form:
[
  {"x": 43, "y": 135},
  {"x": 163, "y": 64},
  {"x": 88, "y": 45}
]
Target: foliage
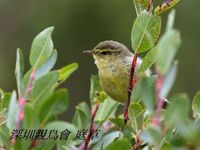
[{"x": 151, "y": 125}]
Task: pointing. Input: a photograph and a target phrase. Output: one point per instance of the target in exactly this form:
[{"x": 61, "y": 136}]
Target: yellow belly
[{"x": 115, "y": 84}]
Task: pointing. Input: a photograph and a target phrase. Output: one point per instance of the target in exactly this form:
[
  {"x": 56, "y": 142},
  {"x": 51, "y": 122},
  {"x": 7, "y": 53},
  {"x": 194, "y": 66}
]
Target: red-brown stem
[
  {"x": 160, "y": 100},
  {"x": 34, "y": 143},
  {"x": 130, "y": 86},
  {"x": 137, "y": 143},
  {"x": 150, "y": 5},
  {"x": 92, "y": 116},
  {"x": 22, "y": 101}
]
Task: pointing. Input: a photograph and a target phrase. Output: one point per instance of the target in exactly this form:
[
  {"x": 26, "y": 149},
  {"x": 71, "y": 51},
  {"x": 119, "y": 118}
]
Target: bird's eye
[{"x": 105, "y": 53}]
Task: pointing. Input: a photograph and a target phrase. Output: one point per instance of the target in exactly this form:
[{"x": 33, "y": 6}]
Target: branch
[
  {"x": 84, "y": 145},
  {"x": 137, "y": 143},
  {"x": 160, "y": 101},
  {"x": 33, "y": 144},
  {"x": 150, "y": 5},
  {"x": 130, "y": 86},
  {"x": 23, "y": 100}
]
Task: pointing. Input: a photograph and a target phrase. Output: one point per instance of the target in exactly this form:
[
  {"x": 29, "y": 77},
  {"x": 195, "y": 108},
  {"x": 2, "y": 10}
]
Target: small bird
[{"x": 113, "y": 61}]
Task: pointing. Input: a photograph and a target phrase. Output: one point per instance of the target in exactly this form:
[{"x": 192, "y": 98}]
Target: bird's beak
[{"x": 89, "y": 51}]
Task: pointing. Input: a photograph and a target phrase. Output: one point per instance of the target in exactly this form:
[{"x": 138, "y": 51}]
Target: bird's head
[{"x": 107, "y": 51}]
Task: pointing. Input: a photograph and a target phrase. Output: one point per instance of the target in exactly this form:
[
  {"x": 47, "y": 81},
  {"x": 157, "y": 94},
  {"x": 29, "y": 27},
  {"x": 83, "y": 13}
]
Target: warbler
[{"x": 113, "y": 61}]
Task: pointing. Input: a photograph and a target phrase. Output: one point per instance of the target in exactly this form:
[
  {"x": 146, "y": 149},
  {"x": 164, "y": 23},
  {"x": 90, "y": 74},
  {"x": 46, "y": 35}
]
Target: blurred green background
[{"x": 80, "y": 25}]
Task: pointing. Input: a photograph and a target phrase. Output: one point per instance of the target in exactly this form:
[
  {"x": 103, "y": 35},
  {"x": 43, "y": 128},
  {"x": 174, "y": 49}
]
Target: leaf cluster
[{"x": 179, "y": 119}]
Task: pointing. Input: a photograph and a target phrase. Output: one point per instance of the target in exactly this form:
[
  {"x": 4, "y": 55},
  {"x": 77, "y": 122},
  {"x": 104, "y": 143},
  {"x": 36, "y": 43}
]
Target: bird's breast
[{"x": 114, "y": 80}]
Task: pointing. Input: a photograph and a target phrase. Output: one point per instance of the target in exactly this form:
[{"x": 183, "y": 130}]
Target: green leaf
[
  {"x": 66, "y": 71},
  {"x": 2, "y": 96},
  {"x": 61, "y": 126},
  {"x": 47, "y": 66},
  {"x": 152, "y": 136},
  {"x": 135, "y": 114},
  {"x": 148, "y": 60},
  {"x": 145, "y": 90},
  {"x": 4, "y": 136},
  {"x": 170, "y": 20},
  {"x": 196, "y": 105},
  {"x": 94, "y": 86},
  {"x": 12, "y": 111},
  {"x": 166, "y": 146},
  {"x": 189, "y": 132},
  {"x": 81, "y": 117},
  {"x": 169, "y": 80},
  {"x": 177, "y": 111},
  {"x": 106, "y": 140},
  {"x": 145, "y": 32},
  {"x": 42, "y": 47},
  {"x": 135, "y": 110},
  {"x": 30, "y": 118},
  {"x": 96, "y": 92},
  {"x": 147, "y": 118},
  {"x": 118, "y": 122},
  {"x": 119, "y": 144},
  {"x": 167, "y": 49},
  {"x": 19, "y": 68},
  {"x": 165, "y": 6},
  {"x": 54, "y": 105},
  {"x": 44, "y": 69},
  {"x": 140, "y": 5},
  {"x": 106, "y": 109},
  {"x": 6, "y": 100},
  {"x": 44, "y": 86}
]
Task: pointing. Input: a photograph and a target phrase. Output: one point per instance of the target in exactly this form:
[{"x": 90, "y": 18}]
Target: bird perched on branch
[{"x": 113, "y": 61}]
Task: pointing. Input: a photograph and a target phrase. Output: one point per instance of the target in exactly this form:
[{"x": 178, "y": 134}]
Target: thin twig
[
  {"x": 130, "y": 86},
  {"x": 150, "y": 5},
  {"x": 22, "y": 101},
  {"x": 33, "y": 144},
  {"x": 137, "y": 142},
  {"x": 160, "y": 100},
  {"x": 84, "y": 146}
]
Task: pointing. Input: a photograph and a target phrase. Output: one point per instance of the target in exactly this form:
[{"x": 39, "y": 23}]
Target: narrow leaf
[
  {"x": 19, "y": 68},
  {"x": 66, "y": 71},
  {"x": 169, "y": 80},
  {"x": 196, "y": 105},
  {"x": 171, "y": 20},
  {"x": 12, "y": 112}
]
